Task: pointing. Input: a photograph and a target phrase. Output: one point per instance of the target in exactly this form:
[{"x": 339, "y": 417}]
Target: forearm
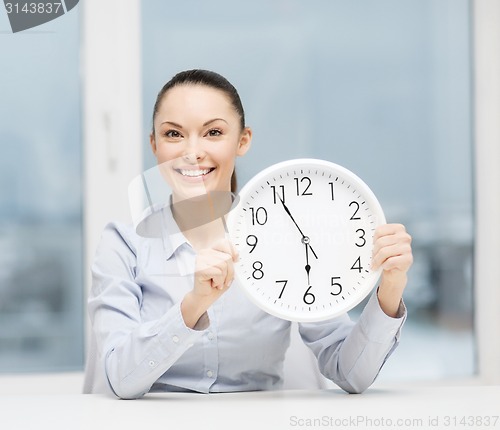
[
  {"x": 392, "y": 252},
  {"x": 351, "y": 355},
  {"x": 390, "y": 293},
  {"x": 134, "y": 359},
  {"x": 368, "y": 346},
  {"x": 193, "y": 308}
]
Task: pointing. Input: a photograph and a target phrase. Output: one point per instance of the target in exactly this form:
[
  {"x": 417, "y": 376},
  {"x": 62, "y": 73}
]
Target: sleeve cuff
[
  {"x": 377, "y": 325},
  {"x": 173, "y": 332}
]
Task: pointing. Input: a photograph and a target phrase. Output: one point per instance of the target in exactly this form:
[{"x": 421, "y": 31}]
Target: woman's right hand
[{"x": 214, "y": 273}]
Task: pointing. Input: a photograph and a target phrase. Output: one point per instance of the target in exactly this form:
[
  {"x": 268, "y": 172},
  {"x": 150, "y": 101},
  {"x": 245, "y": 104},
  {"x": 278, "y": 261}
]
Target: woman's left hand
[{"x": 392, "y": 252}]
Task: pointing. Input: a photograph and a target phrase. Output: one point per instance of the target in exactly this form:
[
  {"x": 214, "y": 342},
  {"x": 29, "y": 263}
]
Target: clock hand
[
  {"x": 290, "y": 215},
  {"x": 308, "y": 267},
  {"x": 312, "y": 250},
  {"x": 304, "y": 237}
]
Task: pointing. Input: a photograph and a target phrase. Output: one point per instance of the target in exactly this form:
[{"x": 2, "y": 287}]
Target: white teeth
[{"x": 193, "y": 173}]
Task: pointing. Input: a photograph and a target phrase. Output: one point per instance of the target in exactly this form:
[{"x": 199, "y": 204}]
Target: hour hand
[
  {"x": 308, "y": 266},
  {"x": 310, "y": 247}
]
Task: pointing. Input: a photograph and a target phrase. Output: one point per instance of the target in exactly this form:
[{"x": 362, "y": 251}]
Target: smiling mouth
[{"x": 195, "y": 173}]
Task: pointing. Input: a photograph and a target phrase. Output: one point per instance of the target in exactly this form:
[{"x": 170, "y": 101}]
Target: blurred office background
[
  {"x": 382, "y": 87},
  {"x": 41, "y": 243}
]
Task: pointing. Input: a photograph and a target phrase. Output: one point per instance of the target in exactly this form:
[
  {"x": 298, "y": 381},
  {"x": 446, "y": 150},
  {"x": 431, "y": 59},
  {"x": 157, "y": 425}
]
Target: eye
[
  {"x": 214, "y": 132},
  {"x": 173, "y": 134}
]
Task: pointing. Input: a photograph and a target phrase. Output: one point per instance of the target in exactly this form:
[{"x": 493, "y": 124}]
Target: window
[
  {"x": 41, "y": 288},
  {"x": 382, "y": 88}
]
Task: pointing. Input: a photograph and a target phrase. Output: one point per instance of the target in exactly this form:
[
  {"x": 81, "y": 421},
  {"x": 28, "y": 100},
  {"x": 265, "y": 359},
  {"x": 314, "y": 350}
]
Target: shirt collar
[
  {"x": 173, "y": 238},
  {"x": 157, "y": 222}
]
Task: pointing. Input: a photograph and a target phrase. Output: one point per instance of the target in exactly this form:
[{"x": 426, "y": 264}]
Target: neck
[
  {"x": 205, "y": 235},
  {"x": 200, "y": 218}
]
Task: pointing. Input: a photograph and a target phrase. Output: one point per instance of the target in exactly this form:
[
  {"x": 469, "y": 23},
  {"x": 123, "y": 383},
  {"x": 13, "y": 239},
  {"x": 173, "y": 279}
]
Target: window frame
[{"x": 112, "y": 141}]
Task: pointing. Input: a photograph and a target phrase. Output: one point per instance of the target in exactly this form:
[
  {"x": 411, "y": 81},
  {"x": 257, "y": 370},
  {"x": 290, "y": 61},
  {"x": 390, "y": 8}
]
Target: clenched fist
[
  {"x": 392, "y": 251},
  {"x": 214, "y": 273}
]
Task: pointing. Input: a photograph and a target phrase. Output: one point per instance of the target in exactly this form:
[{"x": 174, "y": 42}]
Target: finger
[
  {"x": 230, "y": 274},
  {"x": 388, "y": 230},
  {"x": 390, "y": 235},
  {"x": 224, "y": 245},
  {"x": 221, "y": 256},
  {"x": 211, "y": 265},
  {"x": 224, "y": 262},
  {"x": 387, "y": 252},
  {"x": 235, "y": 253},
  {"x": 391, "y": 240},
  {"x": 218, "y": 282},
  {"x": 213, "y": 275},
  {"x": 398, "y": 262}
]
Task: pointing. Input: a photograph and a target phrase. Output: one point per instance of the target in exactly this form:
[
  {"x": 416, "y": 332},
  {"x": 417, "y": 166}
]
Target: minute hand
[
  {"x": 291, "y": 216},
  {"x": 304, "y": 237}
]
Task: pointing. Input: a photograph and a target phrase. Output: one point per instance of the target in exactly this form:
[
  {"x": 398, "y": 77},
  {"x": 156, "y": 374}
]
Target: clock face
[{"x": 304, "y": 232}]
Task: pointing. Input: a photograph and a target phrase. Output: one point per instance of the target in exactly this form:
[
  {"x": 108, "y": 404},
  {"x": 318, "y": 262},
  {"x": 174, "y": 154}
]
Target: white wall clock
[{"x": 304, "y": 231}]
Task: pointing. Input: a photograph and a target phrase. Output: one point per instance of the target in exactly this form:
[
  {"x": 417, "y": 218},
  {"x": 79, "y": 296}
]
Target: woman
[{"x": 164, "y": 315}]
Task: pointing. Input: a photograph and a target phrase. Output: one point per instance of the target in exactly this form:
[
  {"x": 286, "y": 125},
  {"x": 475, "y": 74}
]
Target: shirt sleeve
[
  {"x": 352, "y": 354},
  {"x": 132, "y": 354}
]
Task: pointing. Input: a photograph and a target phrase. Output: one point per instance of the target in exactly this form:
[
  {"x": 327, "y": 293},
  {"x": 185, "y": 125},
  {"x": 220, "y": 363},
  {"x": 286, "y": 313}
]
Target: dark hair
[{"x": 209, "y": 79}]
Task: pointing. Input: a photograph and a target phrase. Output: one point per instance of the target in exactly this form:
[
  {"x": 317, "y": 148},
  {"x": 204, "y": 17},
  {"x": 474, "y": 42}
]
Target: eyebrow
[
  {"x": 204, "y": 125},
  {"x": 213, "y": 120}
]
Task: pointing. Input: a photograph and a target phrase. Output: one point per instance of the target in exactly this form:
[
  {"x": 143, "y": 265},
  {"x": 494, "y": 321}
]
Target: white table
[{"x": 380, "y": 407}]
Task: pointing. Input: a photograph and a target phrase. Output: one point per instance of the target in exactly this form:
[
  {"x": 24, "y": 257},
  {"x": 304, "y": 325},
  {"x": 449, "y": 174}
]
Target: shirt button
[
  {"x": 210, "y": 373},
  {"x": 175, "y": 339},
  {"x": 152, "y": 363},
  {"x": 210, "y": 336}
]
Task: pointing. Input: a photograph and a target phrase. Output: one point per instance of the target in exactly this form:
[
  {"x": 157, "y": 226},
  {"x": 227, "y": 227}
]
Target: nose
[{"x": 193, "y": 151}]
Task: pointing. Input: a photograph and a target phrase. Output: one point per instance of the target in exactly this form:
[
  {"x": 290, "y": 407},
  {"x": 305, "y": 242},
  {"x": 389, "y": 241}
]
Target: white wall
[{"x": 487, "y": 138}]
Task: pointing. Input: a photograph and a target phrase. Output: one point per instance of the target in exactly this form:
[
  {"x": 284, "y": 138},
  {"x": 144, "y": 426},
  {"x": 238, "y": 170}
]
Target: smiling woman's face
[{"x": 197, "y": 138}]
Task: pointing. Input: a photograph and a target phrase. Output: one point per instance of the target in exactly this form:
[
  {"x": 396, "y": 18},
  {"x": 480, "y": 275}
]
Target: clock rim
[{"x": 370, "y": 283}]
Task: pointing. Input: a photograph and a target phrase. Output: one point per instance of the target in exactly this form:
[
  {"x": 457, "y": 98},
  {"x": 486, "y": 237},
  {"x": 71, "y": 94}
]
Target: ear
[
  {"x": 245, "y": 141},
  {"x": 152, "y": 142}
]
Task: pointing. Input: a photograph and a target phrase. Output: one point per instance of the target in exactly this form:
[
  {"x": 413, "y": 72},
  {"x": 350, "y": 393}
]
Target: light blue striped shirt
[{"x": 140, "y": 344}]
